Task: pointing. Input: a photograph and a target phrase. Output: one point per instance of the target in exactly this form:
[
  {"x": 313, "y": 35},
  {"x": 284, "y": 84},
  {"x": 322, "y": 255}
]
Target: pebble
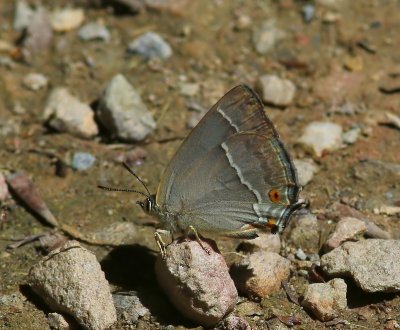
[
  {"x": 306, "y": 169},
  {"x": 35, "y": 81},
  {"x": 351, "y": 136},
  {"x": 300, "y": 254},
  {"x": 94, "y": 31},
  {"x": 4, "y": 193},
  {"x": 233, "y": 322},
  {"x": 267, "y": 36},
  {"x": 39, "y": 35},
  {"x": 150, "y": 46},
  {"x": 320, "y": 137},
  {"x": 70, "y": 280},
  {"x": 66, "y": 19},
  {"x": 264, "y": 242},
  {"x": 305, "y": 232},
  {"x": 308, "y": 12},
  {"x": 260, "y": 274},
  {"x": 82, "y": 161},
  {"x": 276, "y": 91},
  {"x": 189, "y": 89},
  {"x": 23, "y": 15},
  {"x": 197, "y": 283},
  {"x": 122, "y": 111},
  {"x": 57, "y": 322},
  {"x": 65, "y": 113},
  {"x": 129, "y": 307},
  {"x": 346, "y": 229},
  {"x": 325, "y": 300},
  {"x": 372, "y": 263},
  {"x": 387, "y": 209},
  {"x": 354, "y": 63}
]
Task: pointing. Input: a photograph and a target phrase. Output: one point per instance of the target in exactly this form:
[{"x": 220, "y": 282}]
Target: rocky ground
[{"x": 87, "y": 85}]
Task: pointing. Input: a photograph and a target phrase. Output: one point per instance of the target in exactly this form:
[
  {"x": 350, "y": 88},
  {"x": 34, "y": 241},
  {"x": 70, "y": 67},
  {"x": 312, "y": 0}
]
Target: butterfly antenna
[
  {"x": 136, "y": 176},
  {"x": 121, "y": 189}
]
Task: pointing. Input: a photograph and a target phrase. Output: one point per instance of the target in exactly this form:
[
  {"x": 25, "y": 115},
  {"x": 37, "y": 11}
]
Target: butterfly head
[{"x": 148, "y": 205}]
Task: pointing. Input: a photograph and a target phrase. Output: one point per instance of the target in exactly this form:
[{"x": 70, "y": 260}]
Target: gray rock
[
  {"x": 197, "y": 283},
  {"x": 308, "y": 12},
  {"x": 346, "y": 229},
  {"x": 39, "y": 34},
  {"x": 57, "y": 322},
  {"x": 266, "y": 36},
  {"x": 150, "y": 45},
  {"x": 373, "y": 264},
  {"x": 276, "y": 91},
  {"x": 233, "y": 322},
  {"x": 305, "y": 232},
  {"x": 66, "y": 113},
  {"x": 4, "y": 194},
  {"x": 324, "y": 300},
  {"x": 320, "y": 137},
  {"x": 123, "y": 113},
  {"x": 35, "y": 81},
  {"x": 260, "y": 274},
  {"x": 70, "y": 280},
  {"x": 23, "y": 15},
  {"x": 66, "y": 19},
  {"x": 306, "y": 169},
  {"x": 82, "y": 161},
  {"x": 264, "y": 242},
  {"x": 129, "y": 307},
  {"x": 300, "y": 254},
  {"x": 93, "y": 31},
  {"x": 351, "y": 136}
]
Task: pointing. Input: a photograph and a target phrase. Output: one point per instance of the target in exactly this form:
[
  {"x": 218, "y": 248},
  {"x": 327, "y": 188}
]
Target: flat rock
[
  {"x": 372, "y": 263},
  {"x": 260, "y": 274},
  {"x": 267, "y": 36},
  {"x": 149, "y": 46},
  {"x": 305, "y": 232},
  {"x": 306, "y": 169},
  {"x": 70, "y": 280},
  {"x": 35, "y": 81},
  {"x": 264, "y": 242},
  {"x": 346, "y": 229},
  {"x": 197, "y": 283},
  {"x": 67, "y": 19},
  {"x": 123, "y": 112},
  {"x": 325, "y": 300},
  {"x": 321, "y": 137},
  {"x": 66, "y": 113},
  {"x": 94, "y": 31},
  {"x": 276, "y": 91}
]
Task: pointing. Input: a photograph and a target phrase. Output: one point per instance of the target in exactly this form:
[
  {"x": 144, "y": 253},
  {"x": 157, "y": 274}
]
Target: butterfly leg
[
  {"x": 196, "y": 235},
  {"x": 160, "y": 242}
]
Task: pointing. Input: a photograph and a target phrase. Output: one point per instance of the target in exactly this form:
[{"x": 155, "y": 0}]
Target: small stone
[
  {"x": 189, "y": 89},
  {"x": 23, "y": 15},
  {"x": 123, "y": 112},
  {"x": 372, "y": 263},
  {"x": 197, "y": 283},
  {"x": 388, "y": 210},
  {"x": 174, "y": 7},
  {"x": 4, "y": 194},
  {"x": 267, "y": 36},
  {"x": 93, "y": 31},
  {"x": 233, "y": 322},
  {"x": 57, "y": 322},
  {"x": 82, "y": 161},
  {"x": 70, "y": 280},
  {"x": 243, "y": 22},
  {"x": 305, "y": 232},
  {"x": 354, "y": 63},
  {"x": 306, "y": 169},
  {"x": 351, "y": 136},
  {"x": 324, "y": 300},
  {"x": 320, "y": 137},
  {"x": 63, "y": 20},
  {"x": 66, "y": 113},
  {"x": 300, "y": 254},
  {"x": 264, "y": 242},
  {"x": 308, "y": 12},
  {"x": 346, "y": 229},
  {"x": 276, "y": 91},
  {"x": 35, "y": 81},
  {"x": 39, "y": 35},
  {"x": 129, "y": 307},
  {"x": 150, "y": 46},
  {"x": 260, "y": 274}
]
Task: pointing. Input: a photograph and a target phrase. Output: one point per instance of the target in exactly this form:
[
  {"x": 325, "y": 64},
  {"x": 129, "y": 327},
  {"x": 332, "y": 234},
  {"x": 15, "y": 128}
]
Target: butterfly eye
[{"x": 274, "y": 195}]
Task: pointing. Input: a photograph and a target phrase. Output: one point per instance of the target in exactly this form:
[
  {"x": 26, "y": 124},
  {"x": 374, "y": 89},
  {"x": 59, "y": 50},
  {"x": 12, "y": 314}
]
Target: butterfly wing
[{"x": 225, "y": 170}]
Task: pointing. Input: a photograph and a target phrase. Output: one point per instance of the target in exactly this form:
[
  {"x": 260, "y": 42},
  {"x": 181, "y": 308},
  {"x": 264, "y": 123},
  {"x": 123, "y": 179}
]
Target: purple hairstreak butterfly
[{"x": 231, "y": 176}]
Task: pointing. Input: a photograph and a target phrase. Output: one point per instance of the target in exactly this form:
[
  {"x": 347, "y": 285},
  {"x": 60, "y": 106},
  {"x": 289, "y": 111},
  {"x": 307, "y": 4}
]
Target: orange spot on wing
[{"x": 274, "y": 195}]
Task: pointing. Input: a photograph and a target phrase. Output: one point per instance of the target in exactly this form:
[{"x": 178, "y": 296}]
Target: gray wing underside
[{"x": 218, "y": 174}]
